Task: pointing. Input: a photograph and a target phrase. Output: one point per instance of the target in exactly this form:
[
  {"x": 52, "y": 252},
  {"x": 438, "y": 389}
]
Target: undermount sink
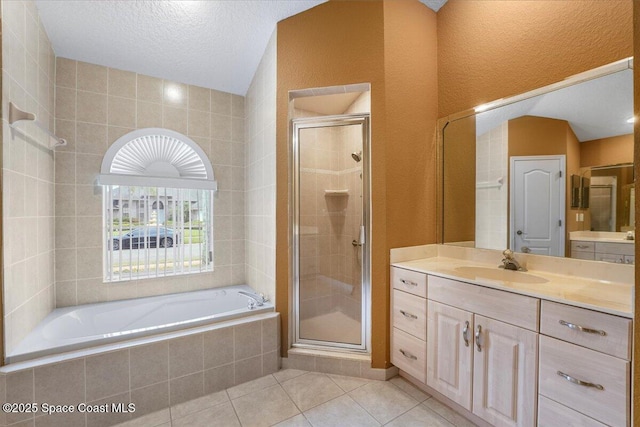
[{"x": 500, "y": 274}]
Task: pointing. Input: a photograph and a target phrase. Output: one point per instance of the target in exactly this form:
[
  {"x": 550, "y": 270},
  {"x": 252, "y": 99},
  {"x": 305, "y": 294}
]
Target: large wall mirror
[{"x": 535, "y": 172}]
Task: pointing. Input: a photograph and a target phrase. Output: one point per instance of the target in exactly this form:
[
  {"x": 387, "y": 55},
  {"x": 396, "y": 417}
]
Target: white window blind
[{"x": 156, "y": 232}]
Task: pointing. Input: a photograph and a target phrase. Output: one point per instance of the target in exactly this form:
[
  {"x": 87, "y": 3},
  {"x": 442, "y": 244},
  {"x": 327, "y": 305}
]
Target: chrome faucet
[
  {"x": 509, "y": 262},
  {"x": 254, "y": 300}
]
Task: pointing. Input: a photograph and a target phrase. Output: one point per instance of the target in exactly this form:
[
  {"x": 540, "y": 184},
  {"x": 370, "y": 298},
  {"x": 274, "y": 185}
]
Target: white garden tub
[{"x": 79, "y": 327}]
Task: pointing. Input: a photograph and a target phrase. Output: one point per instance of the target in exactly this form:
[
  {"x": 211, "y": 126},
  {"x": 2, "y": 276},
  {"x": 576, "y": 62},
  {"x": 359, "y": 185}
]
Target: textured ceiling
[
  {"x": 211, "y": 43},
  {"x": 595, "y": 109}
]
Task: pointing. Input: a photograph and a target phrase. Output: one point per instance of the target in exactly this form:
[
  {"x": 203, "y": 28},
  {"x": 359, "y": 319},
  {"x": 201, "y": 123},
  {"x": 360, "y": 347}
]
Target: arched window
[{"x": 158, "y": 206}]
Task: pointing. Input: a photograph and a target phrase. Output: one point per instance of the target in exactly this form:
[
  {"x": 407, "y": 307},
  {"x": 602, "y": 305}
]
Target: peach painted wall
[
  {"x": 607, "y": 151},
  {"x": 493, "y": 49},
  {"x": 339, "y": 43}
]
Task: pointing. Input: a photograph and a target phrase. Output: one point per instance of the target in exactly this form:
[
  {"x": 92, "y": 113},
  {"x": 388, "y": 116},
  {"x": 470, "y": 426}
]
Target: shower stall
[{"x": 331, "y": 232}]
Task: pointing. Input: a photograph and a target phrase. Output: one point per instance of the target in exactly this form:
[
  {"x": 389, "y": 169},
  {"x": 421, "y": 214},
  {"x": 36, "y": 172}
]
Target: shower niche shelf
[{"x": 335, "y": 193}]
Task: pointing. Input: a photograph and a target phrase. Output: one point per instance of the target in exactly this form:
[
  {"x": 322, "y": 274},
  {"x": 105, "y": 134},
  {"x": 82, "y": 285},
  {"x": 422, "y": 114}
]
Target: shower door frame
[{"x": 318, "y": 122}]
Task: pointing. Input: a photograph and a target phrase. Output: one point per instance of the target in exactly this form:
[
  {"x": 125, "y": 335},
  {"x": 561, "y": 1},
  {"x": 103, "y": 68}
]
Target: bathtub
[{"x": 73, "y": 328}]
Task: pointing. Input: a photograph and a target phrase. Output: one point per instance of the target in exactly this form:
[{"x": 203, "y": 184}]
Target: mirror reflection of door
[
  {"x": 602, "y": 203},
  {"x": 537, "y": 197}
]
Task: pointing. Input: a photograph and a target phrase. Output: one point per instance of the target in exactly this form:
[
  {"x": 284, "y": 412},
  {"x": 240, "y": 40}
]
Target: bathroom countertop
[
  {"x": 608, "y": 297},
  {"x": 600, "y": 236}
]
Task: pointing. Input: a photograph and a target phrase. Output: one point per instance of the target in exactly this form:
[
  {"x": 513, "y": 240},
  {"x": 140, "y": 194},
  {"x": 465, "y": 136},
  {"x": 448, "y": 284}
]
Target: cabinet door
[
  {"x": 450, "y": 352},
  {"x": 504, "y": 373}
]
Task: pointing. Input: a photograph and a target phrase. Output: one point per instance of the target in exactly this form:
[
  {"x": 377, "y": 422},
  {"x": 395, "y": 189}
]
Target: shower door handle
[{"x": 354, "y": 242}]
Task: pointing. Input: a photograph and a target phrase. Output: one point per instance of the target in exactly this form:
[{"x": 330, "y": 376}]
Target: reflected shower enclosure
[{"x": 330, "y": 231}]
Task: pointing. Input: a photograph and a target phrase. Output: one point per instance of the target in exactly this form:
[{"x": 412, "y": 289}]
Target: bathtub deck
[{"x": 298, "y": 398}]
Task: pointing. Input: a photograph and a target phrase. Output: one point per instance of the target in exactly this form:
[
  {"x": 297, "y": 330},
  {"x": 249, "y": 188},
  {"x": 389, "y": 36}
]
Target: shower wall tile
[
  {"x": 28, "y": 169},
  {"x": 98, "y": 106}
]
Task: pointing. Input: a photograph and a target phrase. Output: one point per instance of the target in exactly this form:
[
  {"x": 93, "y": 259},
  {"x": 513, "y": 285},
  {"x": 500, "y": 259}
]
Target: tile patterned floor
[{"x": 293, "y": 398}]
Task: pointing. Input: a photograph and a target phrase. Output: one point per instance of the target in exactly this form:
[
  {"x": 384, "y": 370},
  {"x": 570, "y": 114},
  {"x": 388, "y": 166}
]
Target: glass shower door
[{"x": 331, "y": 249}]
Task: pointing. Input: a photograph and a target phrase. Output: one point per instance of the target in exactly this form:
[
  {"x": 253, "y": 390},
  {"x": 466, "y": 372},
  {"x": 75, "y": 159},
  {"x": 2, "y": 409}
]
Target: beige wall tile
[
  {"x": 92, "y": 77},
  {"x": 89, "y": 229},
  {"x": 221, "y": 127},
  {"x": 97, "y": 419},
  {"x": 91, "y": 138},
  {"x": 60, "y": 383},
  {"x": 65, "y": 168},
  {"x": 186, "y": 388},
  {"x": 114, "y": 133},
  {"x": 218, "y": 347},
  {"x": 66, "y": 129},
  {"x": 219, "y": 378},
  {"x": 247, "y": 340},
  {"x": 89, "y": 262},
  {"x": 65, "y": 73},
  {"x": 199, "y": 124},
  {"x": 237, "y": 106},
  {"x": 91, "y": 107},
  {"x": 122, "y": 83},
  {"x": 248, "y": 369},
  {"x": 151, "y": 399},
  {"x": 89, "y": 291},
  {"x": 88, "y": 200},
  {"x": 175, "y": 119},
  {"x": 237, "y": 129},
  {"x": 185, "y": 356},
  {"x": 19, "y": 389},
  {"x": 66, "y": 293},
  {"x": 65, "y": 103},
  {"x": 199, "y": 98},
  {"x": 65, "y": 264},
  {"x": 220, "y": 102},
  {"x": 87, "y": 168},
  {"x": 175, "y": 94},
  {"x": 107, "y": 374},
  {"x": 149, "y": 89},
  {"x": 65, "y": 232},
  {"x": 122, "y": 112},
  {"x": 149, "y": 364},
  {"x": 66, "y": 193},
  {"x": 149, "y": 115}
]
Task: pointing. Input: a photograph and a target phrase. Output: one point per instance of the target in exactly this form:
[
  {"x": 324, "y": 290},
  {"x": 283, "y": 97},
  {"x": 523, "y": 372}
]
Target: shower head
[{"x": 357, "y": 156}]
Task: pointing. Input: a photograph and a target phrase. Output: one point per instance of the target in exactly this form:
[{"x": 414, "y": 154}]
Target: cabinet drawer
[
  {"x": 618, "y": 259},
  {"x": 508, "y": 307},
  {"x": 409, "y": 281},
  {"x": 582, "y": 246},
  {"x": 591, "y": 256},
  {"x": 564, "y": 322},
  {"x": 409, "y": 354},
  {"x": 410, "y": 314},
  {"x": 609, "y": 403},
  {"x": 553, "y": 414},
  {"x": 615, "y": 248}
]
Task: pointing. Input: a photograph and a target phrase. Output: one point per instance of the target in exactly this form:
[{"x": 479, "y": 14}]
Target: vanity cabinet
[
  {"x": 620, "y": 253},
  {"x": 485, "y": 365}
]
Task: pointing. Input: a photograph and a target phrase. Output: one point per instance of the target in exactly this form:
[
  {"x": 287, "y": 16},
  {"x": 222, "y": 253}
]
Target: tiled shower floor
[{"x": 294, "y": 398}]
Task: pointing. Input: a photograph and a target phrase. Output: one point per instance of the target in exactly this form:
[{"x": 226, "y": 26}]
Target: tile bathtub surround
[
  {"x": 153, "y": 376},
  {"x": 95, "y": 106},
  {"x": 299, "y": 398},
  {"x": 28, "y": 75}
]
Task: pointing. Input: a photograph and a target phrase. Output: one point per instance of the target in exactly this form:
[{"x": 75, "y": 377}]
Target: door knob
[{"x": 519, "y": 232}]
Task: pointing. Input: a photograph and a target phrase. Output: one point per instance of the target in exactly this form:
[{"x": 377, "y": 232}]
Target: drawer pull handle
[
  {"x": 408, "y": 282},
  {"x": 409, "y": 315},
  {"x": 407, "y": 354},
  {"x": 582, "y": 246},
  {"x": 579, "y": 382},
  {"x": 465, "y": 334},
  {"x": 581, "y": 328},
  {"x": 478, "y": 332}
]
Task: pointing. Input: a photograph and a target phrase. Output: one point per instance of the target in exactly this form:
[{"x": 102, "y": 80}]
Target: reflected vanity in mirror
[{"x": 548, "y": 172}]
